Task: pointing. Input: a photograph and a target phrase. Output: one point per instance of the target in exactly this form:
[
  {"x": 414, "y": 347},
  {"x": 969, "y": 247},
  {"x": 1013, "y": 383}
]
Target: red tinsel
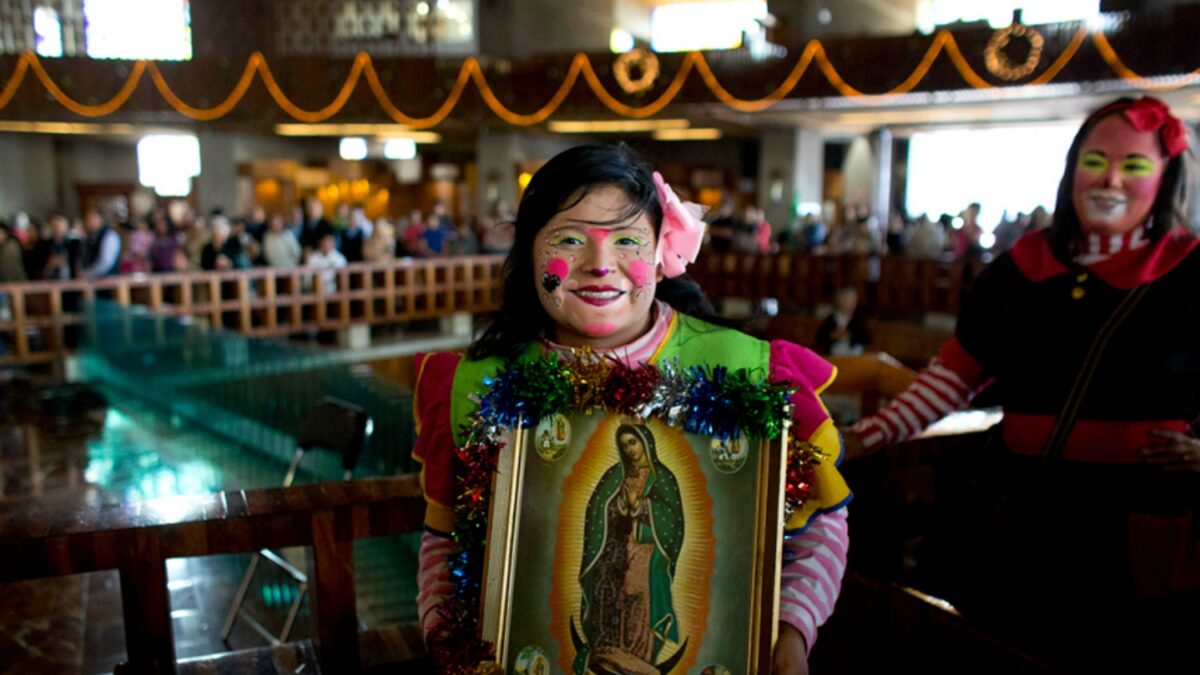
[
  {"x": 802, "y": 460},
  {"x": 627, "y": 389}
]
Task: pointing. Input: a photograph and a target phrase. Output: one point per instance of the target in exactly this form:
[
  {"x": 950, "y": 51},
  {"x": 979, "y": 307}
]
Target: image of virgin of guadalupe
[{"x": 633, "y": 534}]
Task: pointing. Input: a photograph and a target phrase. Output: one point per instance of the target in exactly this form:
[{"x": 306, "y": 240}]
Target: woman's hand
[
  {"x": 791, "y": 652},
  {"x": 1172, "y": 451},
  {"x": 853, "y": 444}
]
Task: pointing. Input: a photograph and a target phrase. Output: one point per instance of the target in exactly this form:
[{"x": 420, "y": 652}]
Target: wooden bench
[{"x": 49, "y": 539}]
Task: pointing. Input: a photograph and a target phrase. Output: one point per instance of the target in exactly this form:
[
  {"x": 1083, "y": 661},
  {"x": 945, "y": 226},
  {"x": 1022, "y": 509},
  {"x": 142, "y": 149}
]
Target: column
[
  {"x": 791, "y": 169},
  {"x": 497, "y": 153},
  {"x": 881, "y": 177}
]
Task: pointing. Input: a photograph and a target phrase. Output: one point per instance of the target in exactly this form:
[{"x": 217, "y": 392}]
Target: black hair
[
  {"x": 1170, "y": 206},
  {"x": 567, "y": 179}
]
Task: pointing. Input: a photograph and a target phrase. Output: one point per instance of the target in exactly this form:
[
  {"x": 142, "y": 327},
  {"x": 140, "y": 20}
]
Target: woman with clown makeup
[
  {"x": 1088, "y": 333},
  {"x": 601, "y": 246}
]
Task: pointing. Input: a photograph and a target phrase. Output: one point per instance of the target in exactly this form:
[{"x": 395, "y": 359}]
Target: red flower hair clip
[{"x": 1150, "y": 114}]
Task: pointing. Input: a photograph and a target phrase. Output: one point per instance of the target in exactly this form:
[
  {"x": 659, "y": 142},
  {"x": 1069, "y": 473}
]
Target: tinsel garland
[{"x": 714, "y": 402}]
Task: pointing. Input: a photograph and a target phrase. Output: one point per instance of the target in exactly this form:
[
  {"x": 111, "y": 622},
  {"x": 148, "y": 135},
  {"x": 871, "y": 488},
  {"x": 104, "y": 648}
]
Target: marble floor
[{"x": 73, "y": 625}]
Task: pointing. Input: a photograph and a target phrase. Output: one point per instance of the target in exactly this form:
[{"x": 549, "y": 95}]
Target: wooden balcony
[{"x": 45, "y": 317}]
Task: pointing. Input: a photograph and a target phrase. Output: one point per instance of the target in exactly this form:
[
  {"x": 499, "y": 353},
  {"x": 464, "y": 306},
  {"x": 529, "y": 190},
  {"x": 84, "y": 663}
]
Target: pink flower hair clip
[{"x": 681, "y": 233}]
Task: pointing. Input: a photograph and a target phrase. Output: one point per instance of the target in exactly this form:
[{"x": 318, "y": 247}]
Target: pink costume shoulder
[
  {"x": 434, "y": 448},
  {"x": 810, "y": 374}
]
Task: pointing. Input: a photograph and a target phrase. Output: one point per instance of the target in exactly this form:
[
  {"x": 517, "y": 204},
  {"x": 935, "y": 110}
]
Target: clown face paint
[
  {"x": 597, "y": 281},
  {"x": 1117, "y": 177},
  {"x": 556, "y": 270}
]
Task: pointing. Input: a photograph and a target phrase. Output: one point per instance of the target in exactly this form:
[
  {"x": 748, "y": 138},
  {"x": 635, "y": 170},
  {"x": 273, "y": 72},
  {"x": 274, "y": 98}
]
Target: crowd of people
[
  {"x": 860, "y": 232},
  {"x": 176, "y": 239}
]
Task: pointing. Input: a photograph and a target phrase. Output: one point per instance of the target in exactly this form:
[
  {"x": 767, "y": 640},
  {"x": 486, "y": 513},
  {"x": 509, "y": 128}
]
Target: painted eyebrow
[
  {"x": 588, "y": 223},
  {"x": 1132, "y": 155}
]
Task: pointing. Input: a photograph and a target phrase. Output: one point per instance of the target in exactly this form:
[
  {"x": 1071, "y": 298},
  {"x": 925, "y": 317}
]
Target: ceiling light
[
  {"x": 353, "y": 148},
  {"x": 399, "y": 148},
  {"x": 620, "y": 41},
  {"x": 696, "y": 134},
  {"x": 615, "y": 126},
  {"x": 66, "y": 128},
  {"x": 377, "y": 130}
]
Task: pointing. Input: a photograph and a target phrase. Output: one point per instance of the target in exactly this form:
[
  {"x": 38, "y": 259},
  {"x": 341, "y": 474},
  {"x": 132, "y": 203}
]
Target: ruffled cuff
[{"x": 810, "y": 374}]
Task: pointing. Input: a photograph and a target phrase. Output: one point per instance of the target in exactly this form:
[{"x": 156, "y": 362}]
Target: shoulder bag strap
[{"x": 1070, "y": 410}]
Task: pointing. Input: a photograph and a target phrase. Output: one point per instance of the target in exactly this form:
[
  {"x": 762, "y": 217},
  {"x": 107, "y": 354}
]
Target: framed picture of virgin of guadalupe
[{"x": 626, "y": 546}]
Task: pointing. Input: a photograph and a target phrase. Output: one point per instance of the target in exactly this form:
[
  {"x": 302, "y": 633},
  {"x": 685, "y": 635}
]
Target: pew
[{"x": 51, "y": 539}]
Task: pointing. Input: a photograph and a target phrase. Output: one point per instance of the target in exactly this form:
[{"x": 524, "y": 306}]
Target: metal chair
[{"x": 334, "y": 425}]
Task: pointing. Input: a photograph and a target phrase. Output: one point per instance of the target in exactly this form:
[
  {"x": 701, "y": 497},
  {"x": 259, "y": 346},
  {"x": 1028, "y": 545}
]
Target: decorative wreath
[
  {"x": 712, "y": 401},
  {"x": 997, "y": 61},
  {"x": 644, "y": 62}
]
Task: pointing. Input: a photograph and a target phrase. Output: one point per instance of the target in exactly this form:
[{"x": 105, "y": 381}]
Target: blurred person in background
[
  {"x": 928, "y": 240},
  {"x": 166, "y": 243},
  {"x": 101, "y": 248},
  {"x": 412, "y": 235},
  {"x": 280, "y": 247},
  {"x": 135, "y": 253},
  {"x": 326, "y": 257},
  {"x": 496, "y": 231},
  {"x": 964, "y": 240},
  {"x": 12, "y": 260},
  {"x": 844, "y": 332},
  {"x": 224, "y": 251},
  {"x": 1009, "y": 231},
  {"x": 56, "y": 256},
  {"x": 381, "y": 245},
  {"x": 354, "y": 236}
]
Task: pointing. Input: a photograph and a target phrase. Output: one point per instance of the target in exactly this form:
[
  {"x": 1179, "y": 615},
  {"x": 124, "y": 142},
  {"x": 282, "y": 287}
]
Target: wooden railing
[
  {"x": 45, "y": 539},
  {"x": 39, "y": 323},
  {"x": 38, "y": 326},
  {"x": 890, "y": 286}
]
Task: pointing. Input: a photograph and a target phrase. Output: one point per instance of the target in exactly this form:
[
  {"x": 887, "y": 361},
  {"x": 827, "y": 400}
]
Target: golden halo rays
[{"x": 696, "y": 559}]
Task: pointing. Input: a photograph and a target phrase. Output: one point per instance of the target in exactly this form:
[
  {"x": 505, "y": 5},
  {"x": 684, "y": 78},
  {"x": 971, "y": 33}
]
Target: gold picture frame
[{"x": 618, "y": 546}]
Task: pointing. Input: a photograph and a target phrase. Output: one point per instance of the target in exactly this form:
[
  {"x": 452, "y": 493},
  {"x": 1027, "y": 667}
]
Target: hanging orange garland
[{"x": 641, "y": 59}]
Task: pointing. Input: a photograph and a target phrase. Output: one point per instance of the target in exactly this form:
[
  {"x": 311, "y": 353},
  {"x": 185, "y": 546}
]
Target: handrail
[
  {"x": 44, "y": 539},
  {"x": 41, "y": 316}
]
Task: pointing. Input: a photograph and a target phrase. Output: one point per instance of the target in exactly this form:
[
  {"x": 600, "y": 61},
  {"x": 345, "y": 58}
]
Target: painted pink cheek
[
  {"x": 600, "y": 329},
  {"x": 1085, "y": 179},
  {"x": 641, "y": 272},
  {"x": 558, "y": 267},
  {"x": 1143, "y": 188}
]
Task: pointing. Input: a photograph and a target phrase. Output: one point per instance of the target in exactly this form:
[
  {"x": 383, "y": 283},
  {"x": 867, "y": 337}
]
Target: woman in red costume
[{"x": 1088, "y": 333}]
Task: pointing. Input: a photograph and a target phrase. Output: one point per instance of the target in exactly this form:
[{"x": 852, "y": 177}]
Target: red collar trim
[{"x": 1125, "y": 270}]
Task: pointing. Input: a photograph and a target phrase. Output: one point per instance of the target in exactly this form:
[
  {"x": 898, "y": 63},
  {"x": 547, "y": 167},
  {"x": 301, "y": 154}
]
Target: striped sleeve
[
  {"x": 814, "y": 561},
  {"x": 944, "y": 386},
  {"x": 433, "y": 578}
]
